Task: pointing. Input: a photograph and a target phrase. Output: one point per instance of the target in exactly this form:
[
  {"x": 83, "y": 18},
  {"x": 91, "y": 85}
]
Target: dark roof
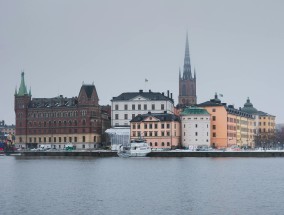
[
  {"x": 209, "y": 104},
  {"x": 194, "y": 111},
  {"x": 88, "y": 89},
  {"x": 59, "y": 101},
  {"x": 164, "y": 117},
  {"x": 148, "y": 95},
  {"x": 238, "y": 112},
  {"x": 261, "y": 113}
]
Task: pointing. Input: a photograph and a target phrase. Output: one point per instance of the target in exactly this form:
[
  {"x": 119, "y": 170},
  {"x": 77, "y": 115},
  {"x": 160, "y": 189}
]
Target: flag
[{"x": 146, "y": 80}]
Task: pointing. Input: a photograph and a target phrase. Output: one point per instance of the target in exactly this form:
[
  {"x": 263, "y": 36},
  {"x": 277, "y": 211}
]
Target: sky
[{"x": 236, "y": 47}]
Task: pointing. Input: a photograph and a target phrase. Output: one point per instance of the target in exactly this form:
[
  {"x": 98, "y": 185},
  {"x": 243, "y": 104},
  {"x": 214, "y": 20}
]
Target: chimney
[
  {"x": 150, "y": 91},
  {"x": 171, "y": 95},
  {"x": 140, "y": 91},
  {"x": 163, "y": 93},
  {"x": 168, "y": 93}
]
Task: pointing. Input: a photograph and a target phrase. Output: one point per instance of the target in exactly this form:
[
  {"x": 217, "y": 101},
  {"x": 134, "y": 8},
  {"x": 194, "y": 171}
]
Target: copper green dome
[
  {"x": 248, "y": 107},
  {"x": 194, "y": 111}
]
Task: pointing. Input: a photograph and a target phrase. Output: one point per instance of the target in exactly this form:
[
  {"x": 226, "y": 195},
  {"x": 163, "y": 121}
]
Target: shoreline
[{"x": 104, "y": 153}]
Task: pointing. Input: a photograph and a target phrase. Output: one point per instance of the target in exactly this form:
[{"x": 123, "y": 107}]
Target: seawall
[{"x": 160, "y": 154}]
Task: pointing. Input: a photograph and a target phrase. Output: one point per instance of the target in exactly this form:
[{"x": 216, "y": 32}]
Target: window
[
  {"x": 133, "y": 133},
  {"x": 168, "y": 126},
  {"x": 75, "y": 139},
  {"x": 195, "y": 125},
  {"x": 156, "y": 144},
  {"x": 213, "y": 110},
  {"x": 134, "y": 126},
  {"x": 214, "y": 118},
  {"x": 59, "y": 139},
  {"x": 156, "y": 126},
  {"x": 168, "y": 133},
  {"x": 214, "y": 127},
  {"x": 83, "y": 146},
  {"x": 150, "y": 143},
  {"x": 150, "y": 133},
  {"x": 145, "y": 126},
  {"x": 162, "y": 107},
  {"x": 138, "y": 126},
  {"x": 139, "y": 107},
  {"x": 133, "y": 116},
  {"x": 95, "y": 138},
  {"x": 145, "y": 107},
  {"x": 150, "y": 126},
  {"x": 39, "y": 139},
  {"x": 183, "y": 125},
  {"x": 163, "y": 126},
  {"x": 156, "y": 133},
  {"x": 153, "y": 106},
  {"x": 133, "y": 107},
  {"x": 163, "y": 133},
  {"x": 214, "y": 134},
  {"x": 65, "y": 139},
  {"x": 116, "y": 116},
  {"x": 54, "y": 139},
  {"x": 145, "y": 133},
  {"x": 35, "y": 139},
  {"x": 116, "y": 107},
  {"x": 196, "y": 133},
  {"x": 84, "y": 139},
  {"x": 163, "y": 144},
  {"x": 168, "y": 143},
  {"x": 70, "y": 139},
  {"x": 49, "y": 139},
  {"x": 125, "y": 107},
  {"x": 125, "y": 116},
  {"x": 30, "y": 139}
]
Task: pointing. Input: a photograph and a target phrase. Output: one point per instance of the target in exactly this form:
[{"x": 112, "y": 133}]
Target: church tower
[{"x": 187, "y": 82}]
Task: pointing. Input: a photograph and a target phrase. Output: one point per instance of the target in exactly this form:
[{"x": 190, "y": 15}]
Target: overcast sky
[{"x": 236, "y": 47}]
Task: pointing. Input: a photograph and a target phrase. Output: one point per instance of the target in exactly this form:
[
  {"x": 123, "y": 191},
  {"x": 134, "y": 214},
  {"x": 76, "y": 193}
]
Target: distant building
[
  {"x": 229, "y": 126},
  {"x": 6, "y": 130},
  {"x": 128, "y": 105},
  {"x": 195, "y": 127},
  {"x": 187, "y": 82},
  {"x": 59, "y": 121}
]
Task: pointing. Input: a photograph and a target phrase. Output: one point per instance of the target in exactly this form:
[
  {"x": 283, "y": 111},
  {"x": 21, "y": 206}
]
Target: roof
[
  {"x": 194, "y": 111},
  {"x": 88, "y": 89},
  {"x": 59, "y": 101},
  {"x": 148, "y": 95},
  {"x": 213, "y": 102},
  {"x": 164, "y": 117}
]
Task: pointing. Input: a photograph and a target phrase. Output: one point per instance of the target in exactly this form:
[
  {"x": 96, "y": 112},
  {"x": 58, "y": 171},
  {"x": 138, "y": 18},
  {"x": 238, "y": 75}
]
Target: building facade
[
  {"x": 58, "y": 121},
  {"x": 195, "y": 127},
  {"x": 160, "y": 130},
  {"x": 187, "y": 82},
  {"x": 128, "y": 105},
  {"x": 229, "y": 126},
  {"x": 265, "y": 126}
]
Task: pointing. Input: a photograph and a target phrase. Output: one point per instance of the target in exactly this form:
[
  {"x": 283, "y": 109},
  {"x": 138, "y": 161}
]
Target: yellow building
[{"x": 264, "y": 124}]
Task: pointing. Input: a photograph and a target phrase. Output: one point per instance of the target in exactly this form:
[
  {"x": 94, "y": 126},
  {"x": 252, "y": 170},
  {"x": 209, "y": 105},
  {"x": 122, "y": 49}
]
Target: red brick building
[{"x": 58, "y": 121}]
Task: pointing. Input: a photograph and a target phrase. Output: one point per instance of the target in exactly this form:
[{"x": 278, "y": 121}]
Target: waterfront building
[
  {"x": 187, "y": 82},
  {"x": 160, "y": 130},
  {"x": 265, "y": 126},
  {"x": 58, "y": 121},
  {"x": 195, "y": 127},
  {"x": 7, "y": 131},
  {"x": 229, "y": 126},
  {"x": 128, "y": 105}
]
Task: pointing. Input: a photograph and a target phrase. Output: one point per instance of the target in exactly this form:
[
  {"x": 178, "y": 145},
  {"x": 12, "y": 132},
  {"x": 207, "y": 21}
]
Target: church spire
[
  {"x": 187, "y": 67},
  {"x": 23, "y": 89}
]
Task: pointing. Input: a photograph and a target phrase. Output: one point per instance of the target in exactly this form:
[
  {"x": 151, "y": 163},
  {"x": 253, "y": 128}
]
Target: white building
[
  {"x": 128, "y": 105},
  {"x": 195, "y": 127}
]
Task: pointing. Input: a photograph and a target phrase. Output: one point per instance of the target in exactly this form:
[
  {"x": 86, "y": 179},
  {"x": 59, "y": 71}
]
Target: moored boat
[{"x": 137, "y": 148}]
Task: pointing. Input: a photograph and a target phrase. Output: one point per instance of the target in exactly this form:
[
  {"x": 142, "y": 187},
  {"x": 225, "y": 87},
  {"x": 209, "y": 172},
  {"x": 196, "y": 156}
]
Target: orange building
[{"x": 229, "y": 126}]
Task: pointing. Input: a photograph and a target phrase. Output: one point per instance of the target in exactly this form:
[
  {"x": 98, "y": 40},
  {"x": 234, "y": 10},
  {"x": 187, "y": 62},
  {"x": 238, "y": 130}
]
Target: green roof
[
  {"x": 194, "y": 111},
  {"x": 23, "y": 89}
]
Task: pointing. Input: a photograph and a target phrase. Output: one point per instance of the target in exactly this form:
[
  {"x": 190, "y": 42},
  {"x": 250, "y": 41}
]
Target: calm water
[{"x": 67, "y": 185}]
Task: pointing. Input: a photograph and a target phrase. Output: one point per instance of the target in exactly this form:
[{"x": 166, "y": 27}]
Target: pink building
[{"x": 160, "y": 130}]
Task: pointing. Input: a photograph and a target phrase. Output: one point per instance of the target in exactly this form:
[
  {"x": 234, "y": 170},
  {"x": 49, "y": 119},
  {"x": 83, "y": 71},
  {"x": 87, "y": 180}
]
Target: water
[{"x": 137, "y": 186}]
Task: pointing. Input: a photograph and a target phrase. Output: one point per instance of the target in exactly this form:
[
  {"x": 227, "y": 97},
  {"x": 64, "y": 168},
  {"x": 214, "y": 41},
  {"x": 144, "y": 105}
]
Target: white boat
[{"x": 137, "y": 148}]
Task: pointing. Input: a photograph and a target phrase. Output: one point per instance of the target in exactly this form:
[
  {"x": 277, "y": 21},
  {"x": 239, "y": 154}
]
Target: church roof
[{"x": 23, "y": 89}]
